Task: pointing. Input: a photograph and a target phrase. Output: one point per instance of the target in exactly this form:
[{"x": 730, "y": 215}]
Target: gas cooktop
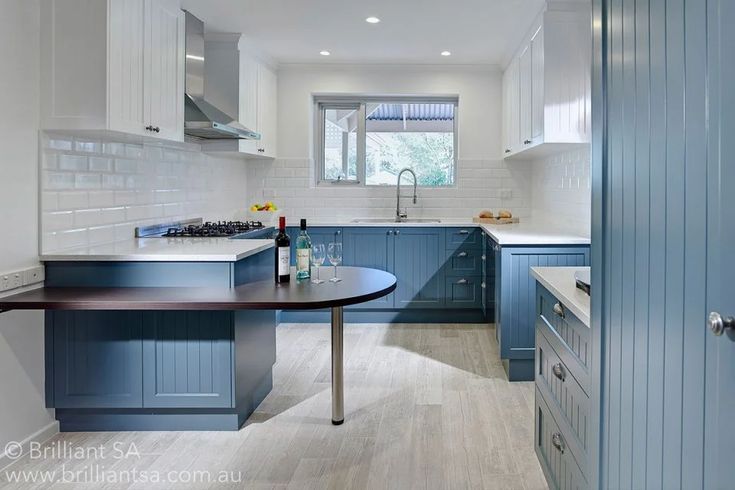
[{"x": 196, "y": 228}]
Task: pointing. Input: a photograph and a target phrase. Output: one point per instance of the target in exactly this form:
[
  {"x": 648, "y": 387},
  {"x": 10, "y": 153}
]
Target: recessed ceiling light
[
  {"x": 446, "y": 53},
  {"x": 372, "y": 20},
  {"x": 324, "y": 53}
]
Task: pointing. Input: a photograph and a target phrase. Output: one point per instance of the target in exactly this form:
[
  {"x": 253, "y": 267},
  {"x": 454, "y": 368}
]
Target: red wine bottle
[{"x": 283, "y": 253}]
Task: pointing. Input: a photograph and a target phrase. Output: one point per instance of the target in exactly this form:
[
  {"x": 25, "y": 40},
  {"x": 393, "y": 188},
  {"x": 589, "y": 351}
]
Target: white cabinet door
[
  {"x": 164, "y": 77},
  {"x": 537, "y": 87},
  {"x": 248, "y": 103},
  {"x": 525, "y": 68},
  {"x": 126, "y": 67},
  {"x": 267, "y": 107},
  {"x": 514, "y": 133}
]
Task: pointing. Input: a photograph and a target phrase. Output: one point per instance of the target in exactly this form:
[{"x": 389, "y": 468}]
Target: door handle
[
  {"x": 558, "y": 442},
  {"x": 464, "y": 232},
  {"x": 559, "y": 310},
  {"x": 398, "y": 232},
  {"x": 558, "y": 371},
  {"x": 717, "y": 324},
  {"x": 462, "y": 254}
]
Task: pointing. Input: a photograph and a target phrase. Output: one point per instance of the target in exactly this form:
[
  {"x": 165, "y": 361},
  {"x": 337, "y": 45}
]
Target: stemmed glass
[
  {"x": 334, "y": 253},
  {"x": 317, "y": 259}
]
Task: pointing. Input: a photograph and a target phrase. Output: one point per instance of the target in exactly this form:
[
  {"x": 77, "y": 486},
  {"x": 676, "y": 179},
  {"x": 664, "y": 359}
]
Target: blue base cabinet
[
  {"x": 158, "y": 370},
  {"x": 417, "y": 264},
  {"x": 373, "y": 248},
  {"x": 515, "y": 315}
]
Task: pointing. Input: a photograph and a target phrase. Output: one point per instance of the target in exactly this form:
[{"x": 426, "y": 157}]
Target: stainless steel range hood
[{"x": 202, "y": 119}]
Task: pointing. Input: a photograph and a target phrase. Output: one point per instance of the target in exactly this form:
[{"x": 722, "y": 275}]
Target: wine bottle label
[
  {"x": 284, "y": 261},
  {"x": 302, "y": 259}
]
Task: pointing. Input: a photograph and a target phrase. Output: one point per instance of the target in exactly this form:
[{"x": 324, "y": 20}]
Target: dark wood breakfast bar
[{"x": 176, "y": 358}]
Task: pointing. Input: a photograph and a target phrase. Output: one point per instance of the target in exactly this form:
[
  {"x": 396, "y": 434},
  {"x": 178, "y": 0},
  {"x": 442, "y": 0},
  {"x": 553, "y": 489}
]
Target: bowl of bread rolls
[{"x": 502, "y": 217}]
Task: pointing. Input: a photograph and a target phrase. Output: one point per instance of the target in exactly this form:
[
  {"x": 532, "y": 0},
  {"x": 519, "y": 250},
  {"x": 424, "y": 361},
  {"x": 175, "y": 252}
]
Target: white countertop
[
  {"x": 165, "y": 250},
  {"x": 560, "y": 282},
  {"x": 523, "y": 233}
]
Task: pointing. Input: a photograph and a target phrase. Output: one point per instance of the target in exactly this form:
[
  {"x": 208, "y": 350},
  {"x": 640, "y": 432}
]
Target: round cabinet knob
[
  {"x": 558, "y": 442},
  {"x": 398, "y": 232},
  {"x": 390, "y": 232},
  {"x": 558, "y": 371},
  {"x": 717, "y": 324}
]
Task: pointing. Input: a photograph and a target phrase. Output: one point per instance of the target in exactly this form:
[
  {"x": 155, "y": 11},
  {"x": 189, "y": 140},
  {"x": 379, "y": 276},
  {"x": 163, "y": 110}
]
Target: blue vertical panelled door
[
  {"x": 418, "y": 259},
  {"x": 663, "y": 235},
  {"x": 373, "y": 248}
]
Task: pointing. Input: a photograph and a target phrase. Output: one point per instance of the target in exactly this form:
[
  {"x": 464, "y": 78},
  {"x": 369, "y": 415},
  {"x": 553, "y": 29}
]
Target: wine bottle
[
  {"x": 303, "y": 253},
  {"x": 283, "y": 253}
]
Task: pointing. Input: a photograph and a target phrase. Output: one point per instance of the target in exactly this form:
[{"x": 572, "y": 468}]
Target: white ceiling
[{"x": 410, "y": 31}]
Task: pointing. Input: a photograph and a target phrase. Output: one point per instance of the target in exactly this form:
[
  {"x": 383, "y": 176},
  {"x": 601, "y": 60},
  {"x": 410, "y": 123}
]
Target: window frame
[{"x": 324, "y": 102}]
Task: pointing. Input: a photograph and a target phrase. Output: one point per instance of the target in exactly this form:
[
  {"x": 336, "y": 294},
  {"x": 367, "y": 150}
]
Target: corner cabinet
[
  {"x": 245, "y": 86},
  {"x": 547, "y": 86},
  {"x": 114, "y": 66}
]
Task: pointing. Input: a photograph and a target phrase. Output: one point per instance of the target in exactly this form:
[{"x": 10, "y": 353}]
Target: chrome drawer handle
[
  {"x": 462, "y": 254},
  {"x": 559, "y": 372},
  {"x": 558, "y": 442},
  {"x": 462, "y": 281},
  {"x": 559, "y": 310},
  {"x": 464, "y": 232}
]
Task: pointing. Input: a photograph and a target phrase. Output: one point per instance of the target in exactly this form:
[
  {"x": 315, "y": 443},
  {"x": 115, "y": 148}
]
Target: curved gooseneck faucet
[{"x": 399, "y": 215}]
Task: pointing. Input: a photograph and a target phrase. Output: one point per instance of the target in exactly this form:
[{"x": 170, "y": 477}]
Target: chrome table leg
[{"x": 338, "y": 394}]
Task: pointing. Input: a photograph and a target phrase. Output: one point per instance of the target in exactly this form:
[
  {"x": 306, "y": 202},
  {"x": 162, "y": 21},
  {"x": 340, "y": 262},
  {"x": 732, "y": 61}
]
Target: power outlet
[
  {"x": 33, "y": 275},
  {"x": 11, "y": 280}
]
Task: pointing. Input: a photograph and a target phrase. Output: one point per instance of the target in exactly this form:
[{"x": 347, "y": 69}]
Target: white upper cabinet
[
  {"x": 546, "y": 86},
  {"x": 243, "y": 85},
  {"x": 115, "y": 65}
]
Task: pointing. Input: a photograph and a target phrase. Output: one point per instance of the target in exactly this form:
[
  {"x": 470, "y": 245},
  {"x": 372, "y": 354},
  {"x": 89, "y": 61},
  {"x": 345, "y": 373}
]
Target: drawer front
[
  {"x": 559, "y": 465},
  {"x": 569, "y": 337},
  {"x": 564, "y": 393},
  {"x": 464, "y": 292},
  {"x": 464, "y": 237},
  {"x": 464, "y": 261}
]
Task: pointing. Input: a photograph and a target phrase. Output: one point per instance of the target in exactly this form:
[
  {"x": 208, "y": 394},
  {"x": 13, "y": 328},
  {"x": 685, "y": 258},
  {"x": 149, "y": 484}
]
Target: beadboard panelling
[
  {"x": 561, "y": 189},
  {"x": 97, "y": 191},
  {"x": 289, "y": 182},
  {"x": 651, "y": 301}
]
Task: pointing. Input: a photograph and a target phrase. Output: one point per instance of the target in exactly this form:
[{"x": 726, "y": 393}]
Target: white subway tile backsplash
[{"x": 96, "y": 192}]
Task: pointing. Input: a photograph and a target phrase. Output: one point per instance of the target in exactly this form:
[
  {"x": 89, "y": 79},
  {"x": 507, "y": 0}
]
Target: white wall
[
  {"x": 22, "y": 411},
  {"x": 482, "y": 175},
  {"x": 561, "y": 190},
  {"x": 96, "y": 191}
]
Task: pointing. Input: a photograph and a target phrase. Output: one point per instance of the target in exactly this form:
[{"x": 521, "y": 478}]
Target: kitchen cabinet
[
  {"x": 515, "y": 310},
  {"x": 114, "y": 66},
  {"x": 547, "y": 86},
  {"x": 187, "y": 359},
  {"x": 374, "y": 248},
  {"x": 241, "y": 83},
  {"x": 109, "y": 341},
  {"x": 418, "y": 260},
  {"x": 563, "y": 388}
]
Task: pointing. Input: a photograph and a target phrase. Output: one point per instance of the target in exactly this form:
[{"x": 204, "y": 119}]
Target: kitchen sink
[{"x": 389, "y": 220}]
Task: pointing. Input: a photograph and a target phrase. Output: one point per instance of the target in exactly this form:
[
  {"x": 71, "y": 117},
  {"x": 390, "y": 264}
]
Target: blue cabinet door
[
  {"x": 518, "y": 293},
  {"x": 97, "y": 359},
  {"x": 317, "y": 234},
  {"x": 187, "y": 359},
  {"x": 463, "y": 292},
  {"x": 467, "y": 237},
  {"x": 419, "y": 257},
  {"x": 373, "y": 248}
]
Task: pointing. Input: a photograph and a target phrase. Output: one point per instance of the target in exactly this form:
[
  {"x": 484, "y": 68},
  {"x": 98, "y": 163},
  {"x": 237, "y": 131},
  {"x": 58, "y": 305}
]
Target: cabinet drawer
[
  {"x": 569, "y": 337},
  {"x": 464, "y": 237},
  {"x": 564, "y": 393},
  {"x": 464, "y": 292},
  {"x": 557, "y": 461},
  {"x": 464, "y": 261}
]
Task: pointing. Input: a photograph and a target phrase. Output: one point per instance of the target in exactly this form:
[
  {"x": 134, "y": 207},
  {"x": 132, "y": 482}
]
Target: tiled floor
[{"x": 426, "y": 406}]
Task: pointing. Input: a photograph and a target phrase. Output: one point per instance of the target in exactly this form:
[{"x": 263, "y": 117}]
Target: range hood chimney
[{"x": 201, "y": 119}]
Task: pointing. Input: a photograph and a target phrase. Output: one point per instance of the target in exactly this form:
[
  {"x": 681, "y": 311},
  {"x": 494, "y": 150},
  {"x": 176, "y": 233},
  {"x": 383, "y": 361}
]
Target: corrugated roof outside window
[{"x": 412, "y": 112}]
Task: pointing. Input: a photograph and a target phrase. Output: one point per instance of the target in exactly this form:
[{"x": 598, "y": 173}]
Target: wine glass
[
  {"x": 317, "y": 259},
  {"x": 334, "y": 253}
]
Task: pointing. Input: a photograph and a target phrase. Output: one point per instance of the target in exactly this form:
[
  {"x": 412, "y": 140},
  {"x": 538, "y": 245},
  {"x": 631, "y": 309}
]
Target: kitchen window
[{"x": 367, "y": 141}]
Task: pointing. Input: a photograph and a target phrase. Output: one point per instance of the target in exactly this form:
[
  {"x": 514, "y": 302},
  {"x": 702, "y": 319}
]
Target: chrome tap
[{"x": 400, "y": 216}]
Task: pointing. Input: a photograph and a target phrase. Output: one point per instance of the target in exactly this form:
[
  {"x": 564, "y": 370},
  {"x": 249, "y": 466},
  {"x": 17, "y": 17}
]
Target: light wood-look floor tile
[{"x": 427, "y": 406}]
